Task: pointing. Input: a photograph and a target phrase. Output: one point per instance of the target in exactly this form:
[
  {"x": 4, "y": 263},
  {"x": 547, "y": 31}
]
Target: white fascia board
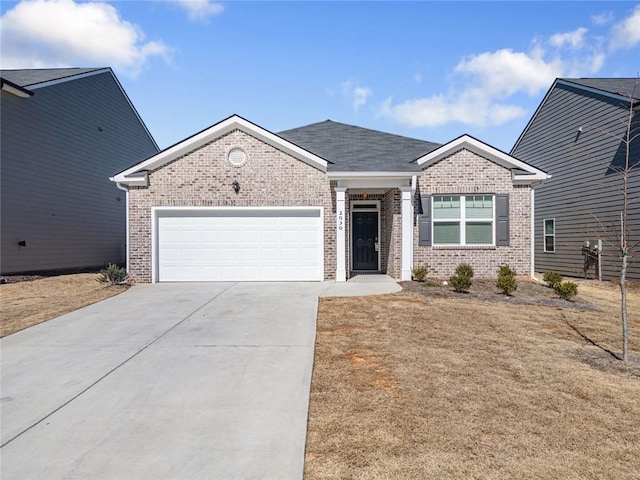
[
  {"x": 349, "y": 175},
  {"x": 17, "y": 91},
  {"x": 222, "y": 128},
  {"x": 484, "y": 150},
  {"x": 532, "y": 178},
  {"x": 372, "y": 180},
  {"x": 136, "y": 179}
]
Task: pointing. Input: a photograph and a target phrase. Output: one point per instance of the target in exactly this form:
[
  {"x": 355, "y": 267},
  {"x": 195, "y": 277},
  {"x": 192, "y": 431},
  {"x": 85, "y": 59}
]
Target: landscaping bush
[
  {"x": 566, "y": 290},
  {"x": 112, "y": 275},
  {"x": 465, "y": 269},
  {"x": 552, "y": 278},
  {"x": 506, "y": 280},
  {"x": 461, "y": 280},
  {"x": 420, "y": 273}
]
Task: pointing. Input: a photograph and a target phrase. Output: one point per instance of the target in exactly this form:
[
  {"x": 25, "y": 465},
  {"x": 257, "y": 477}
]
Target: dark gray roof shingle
[
  {"x": 626, "y": 87},
  {"x": 350, "y": 149},
  {"x": 29, "y": 77}
]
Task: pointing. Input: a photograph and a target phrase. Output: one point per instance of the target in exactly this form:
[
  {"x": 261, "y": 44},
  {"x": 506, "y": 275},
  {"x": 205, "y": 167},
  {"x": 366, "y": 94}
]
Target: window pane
[
  {"x": 446, "y": 206},
  {"x": 479, "y": 233},
  {"x": 549, "y": 227},
  {"x": 479, "y": 206},
  {"x": 548, "y": 244},
  {"x": 446, "y": 232}
]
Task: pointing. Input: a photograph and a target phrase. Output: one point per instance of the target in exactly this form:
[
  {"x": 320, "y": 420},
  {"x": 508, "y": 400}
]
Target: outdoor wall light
[
  {"x": 22, "y": 243},
  {"x": 236, "y": 186}
]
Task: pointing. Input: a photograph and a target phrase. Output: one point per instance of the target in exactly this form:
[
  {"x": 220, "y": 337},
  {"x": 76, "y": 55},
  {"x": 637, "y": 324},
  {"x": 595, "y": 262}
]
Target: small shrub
[
  {"x": 566, "y": 290},
  {"x": 420, "y": 273},
  {"x": 464, "y": 269},
  {"x": 112, "y": 275},
  {"x": 461, "y": 280},
  {"x": 506, "y": 280},
  {"x": 552, "y": 278}
]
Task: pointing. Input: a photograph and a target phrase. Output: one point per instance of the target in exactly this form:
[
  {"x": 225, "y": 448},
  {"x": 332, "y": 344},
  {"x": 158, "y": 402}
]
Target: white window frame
[
  {"x": 463, "y": 220},
  {"x": 545, "y": 235}
]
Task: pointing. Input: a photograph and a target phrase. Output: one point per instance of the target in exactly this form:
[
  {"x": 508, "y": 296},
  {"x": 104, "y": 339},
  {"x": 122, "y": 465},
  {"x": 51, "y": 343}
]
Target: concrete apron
[{"x": 203, "y": 381}]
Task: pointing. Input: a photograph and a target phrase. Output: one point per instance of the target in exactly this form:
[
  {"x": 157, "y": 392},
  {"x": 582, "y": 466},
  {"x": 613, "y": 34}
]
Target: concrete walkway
[{"x": 167, "y": 381}]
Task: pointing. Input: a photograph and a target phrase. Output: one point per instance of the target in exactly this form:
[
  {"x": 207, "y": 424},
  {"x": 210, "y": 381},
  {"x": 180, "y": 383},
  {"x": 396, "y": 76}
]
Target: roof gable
[
  {"x": 137, "y": 175},
  {"x": 521, "y": 172},
  {"x": 349, "y": 148},
  {"x": 623, "y": 89}
]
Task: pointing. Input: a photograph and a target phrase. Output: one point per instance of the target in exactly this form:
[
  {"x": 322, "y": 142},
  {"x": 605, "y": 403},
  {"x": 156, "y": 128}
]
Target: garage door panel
[{"x": 236, "y": 245}]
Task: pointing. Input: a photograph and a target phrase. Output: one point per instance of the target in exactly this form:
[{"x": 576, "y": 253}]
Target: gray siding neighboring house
[
  {"x": 575, "y": 136},
  {"x": 63, "y": 132}
]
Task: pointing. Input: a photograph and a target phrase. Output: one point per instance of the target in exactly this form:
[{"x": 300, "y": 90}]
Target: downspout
[{"x": 125, "y": 189}]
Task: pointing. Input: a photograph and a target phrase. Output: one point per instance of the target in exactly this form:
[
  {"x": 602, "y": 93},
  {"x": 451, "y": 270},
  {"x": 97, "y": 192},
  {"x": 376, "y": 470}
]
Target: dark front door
[{"x": 364, "y": 236}]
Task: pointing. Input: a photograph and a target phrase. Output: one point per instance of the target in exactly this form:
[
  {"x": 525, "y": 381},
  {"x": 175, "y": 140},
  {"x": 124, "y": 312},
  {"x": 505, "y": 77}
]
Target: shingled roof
[
  {"x": 30, "y": 77},
  {"x": 624, "y": 87},
  {"x": 348, "y": 148}
]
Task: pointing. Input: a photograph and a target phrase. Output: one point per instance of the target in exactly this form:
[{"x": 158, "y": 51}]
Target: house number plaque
[{"x": 340, "y": 220}]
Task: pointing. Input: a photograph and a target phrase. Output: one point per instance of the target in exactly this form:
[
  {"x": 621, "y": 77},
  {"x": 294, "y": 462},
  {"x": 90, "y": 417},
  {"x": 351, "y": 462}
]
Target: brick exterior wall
[
  {"x": 269, "y": 177},
  {"x": 467, "y": 173}
]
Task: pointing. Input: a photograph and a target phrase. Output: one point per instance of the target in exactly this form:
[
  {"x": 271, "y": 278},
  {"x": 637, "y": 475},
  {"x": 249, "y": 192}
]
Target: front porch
[{"x": 374, "y": 225}]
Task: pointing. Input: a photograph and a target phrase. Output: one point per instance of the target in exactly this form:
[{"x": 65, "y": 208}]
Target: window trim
[
  {"x": 463, "y": 221},
  {"x": 545, "y": 235}
]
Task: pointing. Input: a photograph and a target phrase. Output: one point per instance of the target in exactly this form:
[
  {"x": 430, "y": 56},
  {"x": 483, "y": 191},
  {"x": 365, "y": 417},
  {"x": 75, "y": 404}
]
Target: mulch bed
[{"x": 527, "y": 293}]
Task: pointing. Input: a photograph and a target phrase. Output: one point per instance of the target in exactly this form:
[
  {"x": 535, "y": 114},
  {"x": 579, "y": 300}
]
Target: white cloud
[
  {"x": 626, "y": 34},
  {"x": 358, "y": 95},
  {"x": 483, "y": 85},
  {"x": 471, "y": 108},
  {"x": 602, "y": 18},
  {"x": 200, "y": 10},
  {"x": 574, "y": 39},
  {"x": 63, "y": 33},
  {"x": 506, "y": 72},
  {"x": 488, "y": 80}
]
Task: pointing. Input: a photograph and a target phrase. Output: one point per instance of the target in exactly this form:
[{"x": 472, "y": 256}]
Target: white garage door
[{"x": 240, "y": 244}]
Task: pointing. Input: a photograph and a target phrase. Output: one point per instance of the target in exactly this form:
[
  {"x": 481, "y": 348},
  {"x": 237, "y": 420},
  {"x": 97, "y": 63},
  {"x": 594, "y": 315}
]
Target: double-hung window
[
  {"x": 463, "y": 220},
  {"x": 549, "y": 235}
]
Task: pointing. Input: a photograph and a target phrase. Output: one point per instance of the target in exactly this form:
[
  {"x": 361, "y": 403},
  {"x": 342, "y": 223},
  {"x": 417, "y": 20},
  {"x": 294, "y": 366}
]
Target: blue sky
[{"x": 429, "y": 70}]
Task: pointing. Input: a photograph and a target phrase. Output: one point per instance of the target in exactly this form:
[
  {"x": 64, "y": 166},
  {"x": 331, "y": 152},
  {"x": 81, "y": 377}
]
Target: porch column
[
  {"x": 341, "y": 258},
  {"x": 406, "y": 262}
]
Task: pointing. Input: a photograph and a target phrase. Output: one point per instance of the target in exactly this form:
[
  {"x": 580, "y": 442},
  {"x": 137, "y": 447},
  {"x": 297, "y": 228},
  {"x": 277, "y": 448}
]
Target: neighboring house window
[
  {"x": 463, "y": 219},
  {"x": 550, "y": 235}
]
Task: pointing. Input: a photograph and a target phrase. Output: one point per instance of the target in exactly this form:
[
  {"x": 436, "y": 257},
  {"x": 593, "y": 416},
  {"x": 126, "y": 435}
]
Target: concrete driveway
[{"x": 166, "y": 381}]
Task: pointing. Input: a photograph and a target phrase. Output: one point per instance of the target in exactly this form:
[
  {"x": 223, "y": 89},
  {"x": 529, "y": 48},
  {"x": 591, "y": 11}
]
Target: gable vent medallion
[{"x": 237, "y": 157}]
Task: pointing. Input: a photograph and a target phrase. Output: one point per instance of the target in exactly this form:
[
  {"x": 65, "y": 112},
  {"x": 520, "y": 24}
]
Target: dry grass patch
[
  {"x": 25, "y": 304},
  {"x": 413, "y": 386}
]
